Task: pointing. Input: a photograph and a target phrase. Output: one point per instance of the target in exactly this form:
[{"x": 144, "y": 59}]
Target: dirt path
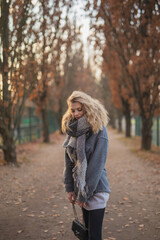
[{"x": 33, "y": 205}]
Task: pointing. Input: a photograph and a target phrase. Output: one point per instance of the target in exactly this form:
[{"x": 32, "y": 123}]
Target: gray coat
[{"x": 96, "y": 175}]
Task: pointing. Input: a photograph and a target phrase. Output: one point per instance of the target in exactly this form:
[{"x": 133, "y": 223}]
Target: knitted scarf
[{"x": 75, "y": 146}]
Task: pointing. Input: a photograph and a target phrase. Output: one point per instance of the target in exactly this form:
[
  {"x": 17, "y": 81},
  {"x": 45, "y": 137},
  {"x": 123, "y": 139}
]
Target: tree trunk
[
  {"x": 146, "y": 133},
  {"x": 9, "y": 149},
  {"x": 128, "y": 124},
  {"x": 59, "y": 115},
  {"x": 119, "y": 115},
  {"x": 127, "y": 117},
  {"x": 59, "y": 119},
  {"x": 112, "y": 117},
  {"x": 5, "y": 45},
  {"x": 112, "y": 122},
  {"x": 119, "y": 124},
  {"x": 45, "y": 126}
]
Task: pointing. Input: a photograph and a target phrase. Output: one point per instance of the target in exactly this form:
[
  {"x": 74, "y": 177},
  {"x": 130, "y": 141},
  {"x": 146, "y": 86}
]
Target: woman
[{"x": 85, "y": 176}]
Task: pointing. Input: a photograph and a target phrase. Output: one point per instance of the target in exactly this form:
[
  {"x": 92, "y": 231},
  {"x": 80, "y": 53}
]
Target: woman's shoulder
[
  {"x": 94, "y": 137},
  {"x": 100, "y": 134},
  {"x": 103, "y": 133}
]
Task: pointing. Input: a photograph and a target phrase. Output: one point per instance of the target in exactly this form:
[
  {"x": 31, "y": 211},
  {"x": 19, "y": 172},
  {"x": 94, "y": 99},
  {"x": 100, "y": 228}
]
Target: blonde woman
[{"x": 85, "y": 176}]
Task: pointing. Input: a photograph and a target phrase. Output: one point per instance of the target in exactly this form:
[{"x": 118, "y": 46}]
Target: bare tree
[{"x": 15, "y": 49}]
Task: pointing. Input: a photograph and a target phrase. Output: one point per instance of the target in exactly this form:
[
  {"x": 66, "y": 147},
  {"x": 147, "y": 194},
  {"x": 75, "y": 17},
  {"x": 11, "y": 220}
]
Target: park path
[{"x": 33, "y": 204}]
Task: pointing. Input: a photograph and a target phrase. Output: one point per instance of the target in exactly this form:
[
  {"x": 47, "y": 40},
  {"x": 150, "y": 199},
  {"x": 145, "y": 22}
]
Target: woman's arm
[
  {"x": 96, "y": 166},
  {"x": 68, "y": 179}
]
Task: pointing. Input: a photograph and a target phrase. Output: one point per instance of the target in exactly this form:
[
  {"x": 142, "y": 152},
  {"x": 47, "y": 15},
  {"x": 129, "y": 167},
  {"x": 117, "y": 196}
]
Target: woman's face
[{"x": 77, "y": 110}]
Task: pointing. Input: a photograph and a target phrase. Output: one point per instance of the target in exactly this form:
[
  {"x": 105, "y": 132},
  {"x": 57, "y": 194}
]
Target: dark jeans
[{"x": 93, "y": 221}]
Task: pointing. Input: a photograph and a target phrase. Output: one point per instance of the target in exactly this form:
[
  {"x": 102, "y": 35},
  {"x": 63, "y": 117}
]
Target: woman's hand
[
  {"x": 81, "y": 204},
  {"x": 71, "y": 197}
]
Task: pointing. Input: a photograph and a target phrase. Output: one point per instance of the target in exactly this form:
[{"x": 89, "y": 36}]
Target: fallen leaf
[
  {"x": 17, "y": 203},
  {"x": 119, "y": 230},
  {"x": 157, "y": 213},
  {"x": 125, "y": 198},
  {"x": 111, "y": 238},
  {"x": 120, "y": 215},
  {"x": 30, "y": 215},
  {"x": 24, "y": 209},
  {"x": 141, "y": 225},
  {"x": 121, "y": 202},
  {"x": 56, "y": 215}
]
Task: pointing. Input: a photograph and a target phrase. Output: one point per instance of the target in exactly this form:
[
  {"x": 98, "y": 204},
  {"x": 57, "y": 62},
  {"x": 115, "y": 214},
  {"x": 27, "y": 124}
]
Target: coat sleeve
[
  {"x": 96, "y": 166},
  {"x": 68, "y": 179}
]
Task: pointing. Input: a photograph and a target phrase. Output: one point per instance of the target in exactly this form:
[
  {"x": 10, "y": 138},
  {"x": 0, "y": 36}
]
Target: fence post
[
  {"x": 30, "y": 124},
  {"x": 138, "y": 126},
  {"x": 158, "y": 131},
  {"x": 38, "y": 128}
]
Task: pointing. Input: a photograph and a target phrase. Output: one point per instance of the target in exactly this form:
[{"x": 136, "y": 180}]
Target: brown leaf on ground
[{"x": 30, "y": 215}]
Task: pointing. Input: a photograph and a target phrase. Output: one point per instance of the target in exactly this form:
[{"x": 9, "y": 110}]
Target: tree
[
  {"x": 15, "y": 48},
  {"x": 45, "y": 33},
  {"x": 122, "y": 96},
  {"x": 107, "y": 98},
  {"x": 66, "y": 68},
  {"x": 51, "y": 41},
  {"x": 77, "y": 74},
  {"x": 133, "y": 28}
]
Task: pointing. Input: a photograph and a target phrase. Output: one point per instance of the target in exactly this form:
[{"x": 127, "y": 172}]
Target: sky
[{"x": 83, "y": 20}]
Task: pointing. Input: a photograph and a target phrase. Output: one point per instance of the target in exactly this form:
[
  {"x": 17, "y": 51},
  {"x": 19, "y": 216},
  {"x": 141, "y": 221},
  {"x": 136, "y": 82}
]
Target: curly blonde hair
[{"x": 96, "y": 114}]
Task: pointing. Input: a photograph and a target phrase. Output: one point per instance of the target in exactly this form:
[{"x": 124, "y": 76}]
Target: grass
[{"x": 134, "y": 144}]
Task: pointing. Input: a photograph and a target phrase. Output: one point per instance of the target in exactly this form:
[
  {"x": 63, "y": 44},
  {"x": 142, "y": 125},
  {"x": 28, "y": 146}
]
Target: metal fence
[
  {"x": 31, "y": 125},
  {"x": 136, "y": 126},
  {"x": 155, "y": 129}
]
